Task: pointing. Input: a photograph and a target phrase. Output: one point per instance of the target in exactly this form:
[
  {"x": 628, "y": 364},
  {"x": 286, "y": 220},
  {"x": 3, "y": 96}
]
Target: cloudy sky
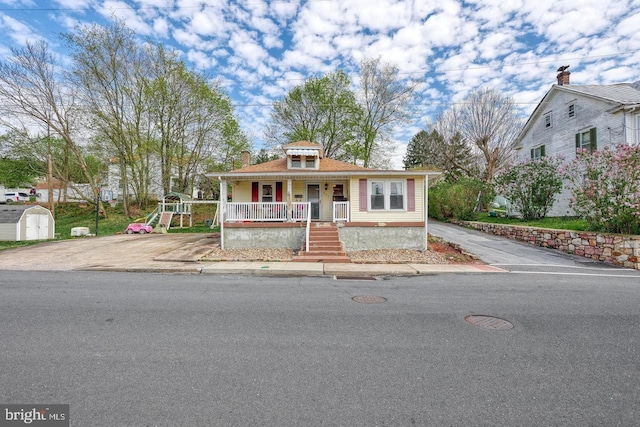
[{"x": 261, "y": 49}]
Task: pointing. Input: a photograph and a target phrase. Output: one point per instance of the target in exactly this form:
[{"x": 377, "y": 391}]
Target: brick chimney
[
  {"x": 245, "y": 159},
  {"x": 563, "y": 75}
]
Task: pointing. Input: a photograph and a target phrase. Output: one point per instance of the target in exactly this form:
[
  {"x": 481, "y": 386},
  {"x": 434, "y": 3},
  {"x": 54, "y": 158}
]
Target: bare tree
[
  {"x": 106, "y": 69},
  {"x": 37, "y": 95},
  {"x": 490, "y": 123},
  {"x": 385, "y": 98}
]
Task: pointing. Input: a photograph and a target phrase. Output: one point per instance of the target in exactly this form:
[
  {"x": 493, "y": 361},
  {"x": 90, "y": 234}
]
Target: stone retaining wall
[{"x": 618, "y": 249}]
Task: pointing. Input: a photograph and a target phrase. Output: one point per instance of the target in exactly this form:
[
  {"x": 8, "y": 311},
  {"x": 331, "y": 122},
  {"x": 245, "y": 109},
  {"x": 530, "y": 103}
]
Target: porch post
[
  {"x": 289, "y": 200},
  {"x": 222, "y": 206},
  {"x": 426, "y": 212}
]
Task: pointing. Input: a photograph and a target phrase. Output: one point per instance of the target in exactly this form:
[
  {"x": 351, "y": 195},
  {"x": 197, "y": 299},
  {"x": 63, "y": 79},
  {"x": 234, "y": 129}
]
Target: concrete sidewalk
[
  {"x": 287, "y": 268},
  {"x": 183, "y": 253}
]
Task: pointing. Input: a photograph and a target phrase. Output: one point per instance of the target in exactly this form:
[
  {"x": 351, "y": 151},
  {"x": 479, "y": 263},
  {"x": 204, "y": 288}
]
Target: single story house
[
  {"x": 26, "y": 222},
  {"x": 274, "y": 204}
]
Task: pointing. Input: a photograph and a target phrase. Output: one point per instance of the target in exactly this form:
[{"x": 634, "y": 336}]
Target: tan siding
[
  {"x": 387, "y": 216},
  {"x": 242, "y": 192}
]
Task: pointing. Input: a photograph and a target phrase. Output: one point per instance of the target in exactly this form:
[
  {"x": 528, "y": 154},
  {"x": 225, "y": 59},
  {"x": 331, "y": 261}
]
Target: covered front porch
[{"x": 283, "y": 199}]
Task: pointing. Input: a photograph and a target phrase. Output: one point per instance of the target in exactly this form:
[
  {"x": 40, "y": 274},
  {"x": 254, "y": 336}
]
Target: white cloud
[
  {"x": 261, "y": 49},
  {"x": 17, "y": 31}
]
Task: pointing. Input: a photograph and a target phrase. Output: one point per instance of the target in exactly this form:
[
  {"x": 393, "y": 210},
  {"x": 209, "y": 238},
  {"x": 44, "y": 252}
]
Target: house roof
[
  {"x": 327, "y": 168},
  {"x": 619, "y": 96},
  {"x": 11, "y": 214},
  {"x": 307, "y": 144}
]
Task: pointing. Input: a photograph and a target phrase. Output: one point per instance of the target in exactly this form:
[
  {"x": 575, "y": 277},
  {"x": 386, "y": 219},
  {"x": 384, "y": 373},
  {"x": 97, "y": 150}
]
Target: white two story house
[{"x": 570, "y": 117}]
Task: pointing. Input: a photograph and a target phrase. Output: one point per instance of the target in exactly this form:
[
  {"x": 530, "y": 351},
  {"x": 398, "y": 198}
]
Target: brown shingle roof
[
  {"x": 305, "y": 144},
  {"x": 280, "y": 165}
]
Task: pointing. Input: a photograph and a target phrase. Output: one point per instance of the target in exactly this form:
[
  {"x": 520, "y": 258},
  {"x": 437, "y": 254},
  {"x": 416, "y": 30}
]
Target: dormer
[{"x": 303, "y": 155}]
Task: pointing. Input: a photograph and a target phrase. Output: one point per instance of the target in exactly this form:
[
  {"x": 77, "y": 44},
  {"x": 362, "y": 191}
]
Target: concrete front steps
[{"x": 324, "y": 245}]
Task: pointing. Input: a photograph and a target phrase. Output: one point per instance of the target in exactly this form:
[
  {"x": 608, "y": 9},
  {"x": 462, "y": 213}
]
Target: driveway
[
  {"x": 511, "y": 254},
  {"x": 124, "y": 251}
]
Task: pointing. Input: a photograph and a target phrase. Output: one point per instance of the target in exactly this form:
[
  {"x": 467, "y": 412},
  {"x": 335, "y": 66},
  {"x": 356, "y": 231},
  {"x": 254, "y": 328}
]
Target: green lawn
[
  {"x": 69, "y": 215},
  {"x": 556, "y": 223}
]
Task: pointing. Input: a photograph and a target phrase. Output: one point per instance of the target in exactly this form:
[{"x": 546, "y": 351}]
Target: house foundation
[{"x": 362, "y": 236}]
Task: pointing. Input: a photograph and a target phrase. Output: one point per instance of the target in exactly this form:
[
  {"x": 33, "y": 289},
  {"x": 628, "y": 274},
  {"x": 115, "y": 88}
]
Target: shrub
[
  {"x": 531, "y": 186},
  {"x": 606, "y": 188},
  {"x": 458, "y": 200}
]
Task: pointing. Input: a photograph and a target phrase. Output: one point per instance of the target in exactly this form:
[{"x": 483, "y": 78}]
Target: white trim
[{"x": 303, "y": 152}]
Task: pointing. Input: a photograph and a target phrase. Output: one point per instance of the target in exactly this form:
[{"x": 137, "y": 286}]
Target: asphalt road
[{"x": 193, "y": 350}]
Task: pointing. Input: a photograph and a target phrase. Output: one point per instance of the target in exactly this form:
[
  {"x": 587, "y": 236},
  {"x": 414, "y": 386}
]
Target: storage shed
[{"x": 26, "y": 222}]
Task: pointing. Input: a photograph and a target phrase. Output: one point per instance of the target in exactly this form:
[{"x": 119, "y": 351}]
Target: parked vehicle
[
  {"x": 138, "y": 227},
  {"x": 16, "y": 197}
]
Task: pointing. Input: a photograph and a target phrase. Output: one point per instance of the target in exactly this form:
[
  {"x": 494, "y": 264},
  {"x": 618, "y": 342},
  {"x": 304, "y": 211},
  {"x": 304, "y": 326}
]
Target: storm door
[{"x": 313, "y": 197}]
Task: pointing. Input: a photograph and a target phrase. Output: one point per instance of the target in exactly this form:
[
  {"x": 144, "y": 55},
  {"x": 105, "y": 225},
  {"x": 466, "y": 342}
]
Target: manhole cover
[
  {"x": 489, "y": 322},
  {"x": 368, "y": 299}
]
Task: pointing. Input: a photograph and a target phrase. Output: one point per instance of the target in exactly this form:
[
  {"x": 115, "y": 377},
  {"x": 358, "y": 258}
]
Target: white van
[{"x": 16, "y": 197}]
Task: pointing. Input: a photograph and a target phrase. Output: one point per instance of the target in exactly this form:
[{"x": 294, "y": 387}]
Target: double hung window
[
  {"x": 587, "y": 140},
  {"x": 387, "y": 195}
]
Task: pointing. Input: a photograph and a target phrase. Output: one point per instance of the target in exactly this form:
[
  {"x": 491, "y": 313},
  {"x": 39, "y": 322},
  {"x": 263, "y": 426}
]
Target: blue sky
[{"x": 262, "y": 49}]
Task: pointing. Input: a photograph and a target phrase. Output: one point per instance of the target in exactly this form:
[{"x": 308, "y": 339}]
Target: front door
[{"x": 313, "y": 197}]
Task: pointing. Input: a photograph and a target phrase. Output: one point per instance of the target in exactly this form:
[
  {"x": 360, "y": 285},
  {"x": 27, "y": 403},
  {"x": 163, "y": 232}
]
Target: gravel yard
[{"x": 439, "y": 253}]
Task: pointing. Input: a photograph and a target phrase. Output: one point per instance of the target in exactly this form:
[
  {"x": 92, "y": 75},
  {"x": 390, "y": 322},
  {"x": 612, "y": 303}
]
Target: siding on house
[
  {"x": 417, "y": 215},
  {"x": 591, "y": 110}
]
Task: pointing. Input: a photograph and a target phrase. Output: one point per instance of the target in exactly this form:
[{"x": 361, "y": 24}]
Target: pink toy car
[{"x": 137, "y": 227}]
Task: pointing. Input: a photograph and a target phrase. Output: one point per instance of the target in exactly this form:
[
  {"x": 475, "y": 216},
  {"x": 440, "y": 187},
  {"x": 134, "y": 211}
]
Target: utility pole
[
  {"x": 50, "y": 172},
  {"x": 97, "y": 208}
]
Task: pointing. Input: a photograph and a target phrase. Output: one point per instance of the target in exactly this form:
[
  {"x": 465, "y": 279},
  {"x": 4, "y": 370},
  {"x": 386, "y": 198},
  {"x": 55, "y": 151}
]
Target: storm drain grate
[
  {"x": 489, "y": 322},
  {"x": 369, "y": 299},
  {"x": 355, "y": 278}
]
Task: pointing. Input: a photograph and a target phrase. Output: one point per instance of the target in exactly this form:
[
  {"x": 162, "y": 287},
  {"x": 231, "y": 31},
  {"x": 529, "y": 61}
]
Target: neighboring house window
[
  {"x": 587, "y": 140},
  {"x": 571, "y": 110},
  {"x": 537, "y": 153},
  {"x": 387, "y": 195},
  {"x": 547, "y": 120}
]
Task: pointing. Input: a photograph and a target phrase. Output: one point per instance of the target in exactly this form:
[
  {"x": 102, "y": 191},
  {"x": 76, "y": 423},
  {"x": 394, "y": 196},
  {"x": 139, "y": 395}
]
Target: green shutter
[
  {"x": 542, "y": 151},
  {"x": 594, "y": 146},
  {"x": 532, "y": 154},
  {"x": 577, "y": 141}
]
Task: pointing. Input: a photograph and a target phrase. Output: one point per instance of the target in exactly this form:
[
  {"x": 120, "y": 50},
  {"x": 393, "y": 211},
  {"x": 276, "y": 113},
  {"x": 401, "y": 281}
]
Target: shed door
[{"x": 37, "y": 227}]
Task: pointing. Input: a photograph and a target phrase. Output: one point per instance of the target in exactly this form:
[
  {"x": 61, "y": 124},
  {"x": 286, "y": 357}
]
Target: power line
[{"x": 130, "y": 7}]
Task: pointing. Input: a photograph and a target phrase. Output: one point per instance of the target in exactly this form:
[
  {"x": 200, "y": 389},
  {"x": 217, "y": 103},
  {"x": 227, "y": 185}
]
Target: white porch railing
[
  {"x": 263, "y": 211},
  {"x": 340, "y": 211}
]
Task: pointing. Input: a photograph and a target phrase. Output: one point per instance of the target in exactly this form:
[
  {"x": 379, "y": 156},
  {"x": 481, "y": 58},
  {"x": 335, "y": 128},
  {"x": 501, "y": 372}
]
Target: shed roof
[
  {"x": 10, "y": 214},
  {"x": 177, "y": 196}
]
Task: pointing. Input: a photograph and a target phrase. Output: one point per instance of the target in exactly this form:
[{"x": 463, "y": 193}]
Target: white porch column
[
  {"x": 222, "y": 205},
  {"x": 289, "y": 199},
  {"x": 426, "y": 212}
]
